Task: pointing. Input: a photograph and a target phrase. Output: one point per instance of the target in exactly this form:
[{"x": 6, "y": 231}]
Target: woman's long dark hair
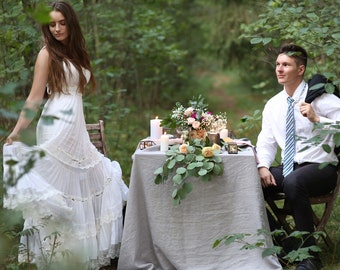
[{"x": 74, "y": 50}]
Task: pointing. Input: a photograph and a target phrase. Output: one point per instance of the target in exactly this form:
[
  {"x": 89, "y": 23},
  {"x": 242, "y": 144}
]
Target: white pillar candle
[
  {"x": 224, "y": 133},
  {"x": 155, "y": 128},
  {"x": 164, "y": 142}
]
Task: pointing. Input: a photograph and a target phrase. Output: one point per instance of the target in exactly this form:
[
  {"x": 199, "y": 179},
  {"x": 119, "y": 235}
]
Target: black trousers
[{"x": 305, "y": 181}]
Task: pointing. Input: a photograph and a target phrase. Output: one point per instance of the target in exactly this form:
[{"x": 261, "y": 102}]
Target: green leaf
[
  {"x": 191, "y": 166},
  {"x": 187, "y": 186},
  {"x": 182, "y": 193},
  {"x": 159, "y": 170},
  {"x": 266, "y": 40},
  {"x": 189, "y": 157},
  {"x": 208, "y": 166},
  {"x": 336, "y": 139},
  {"x": 198, "y": 164},
  {"x": 199, "y": 158},
  {"x": 177, "y": 179},
  {"x": 329, "y": 88},
  {"x": 181, "y": 170},
  {"x": 217, "y": 243},
  {"x": 206, "y": 178},
  {"x": 202, "y": 172},
  {"x": 158, "y": 179},
  {"x": 326, "y": 148},
  {"x": 217, "y": 159},
  {"x": 218, "y": 169},
  {"x": 180, "y": 157},
  {"x": 256, "y": 40},
  {"x": 174, "y": 193},
  {"x": 271, "y": 251},
  {"x": 171, "y": 164}
]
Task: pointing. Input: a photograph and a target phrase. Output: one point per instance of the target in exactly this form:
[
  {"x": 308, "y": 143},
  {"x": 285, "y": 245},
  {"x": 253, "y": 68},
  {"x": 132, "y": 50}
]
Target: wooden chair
[
  {"x": 282, "y": 212},
  {"x": 96, "y": 132}
]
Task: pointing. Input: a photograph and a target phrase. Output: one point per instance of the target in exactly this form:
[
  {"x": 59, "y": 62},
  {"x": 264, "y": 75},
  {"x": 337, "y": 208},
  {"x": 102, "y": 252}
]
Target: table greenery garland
[
  {"x": 196, "y": 160},
  {"x": 196, "y": 156}
]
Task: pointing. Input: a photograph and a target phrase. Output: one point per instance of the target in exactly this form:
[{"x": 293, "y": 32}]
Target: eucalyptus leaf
[
  {"x": 205, "y": 178},
  {"x": 208, "y": 165},
  {"x": 199, "y": 164},
  {"x": 171, "y": 164},
  {"x": 218, "y": 169},
  {"x": 191, "y": 166},
  {"x": 187, "y": 186},
  {"x": 180, "y": 158},
  {"x": 189, "y": 157},
  {"x": 199, "y": 158},
  {"x": 159, "y": 170},
  {"x": 174, "y": 193},
  {"x": 182, "y": 193},
  {"x": 177, "y": 179},
  {"x": 158, "y": 179},
  {"x": 202, "y": 172},
  {"x": 181, "y": 170},
  {"x": 217, "y": 159}
]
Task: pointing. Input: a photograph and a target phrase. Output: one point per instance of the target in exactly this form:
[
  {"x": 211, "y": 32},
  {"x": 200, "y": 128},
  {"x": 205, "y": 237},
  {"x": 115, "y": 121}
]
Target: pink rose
[
  {"x": 196, "y": 124},
  {"x": 208, "y": 151},
  {"x": 189, "y": 111},
  {"x": 183, "y": 148},
  {"x": 190, "y": 120}
]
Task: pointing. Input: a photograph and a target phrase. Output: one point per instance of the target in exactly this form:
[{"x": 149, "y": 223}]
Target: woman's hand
[
  {"x": 267, "y": 179},
  {"x": 307, "y": 111},
  {"x": 12, "y": 137}
]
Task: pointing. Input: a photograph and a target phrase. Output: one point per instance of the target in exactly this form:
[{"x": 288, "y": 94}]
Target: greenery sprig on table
[{"x": 194, "y": 160}]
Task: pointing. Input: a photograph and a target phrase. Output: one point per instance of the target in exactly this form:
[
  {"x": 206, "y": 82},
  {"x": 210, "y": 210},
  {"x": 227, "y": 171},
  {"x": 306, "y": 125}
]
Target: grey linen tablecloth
[{"x": 158, "y": 235}]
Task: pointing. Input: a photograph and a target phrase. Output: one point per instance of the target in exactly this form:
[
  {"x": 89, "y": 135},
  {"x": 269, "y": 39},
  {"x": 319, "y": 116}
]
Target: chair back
[{"x": 96, "y": 133}]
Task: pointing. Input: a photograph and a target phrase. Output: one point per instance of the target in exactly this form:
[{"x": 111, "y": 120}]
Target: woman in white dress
[{"x": 72, "y": 197}]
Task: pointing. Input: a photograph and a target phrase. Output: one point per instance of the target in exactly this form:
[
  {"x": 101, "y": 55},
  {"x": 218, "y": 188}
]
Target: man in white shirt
[{"x": 306, "y": 178}]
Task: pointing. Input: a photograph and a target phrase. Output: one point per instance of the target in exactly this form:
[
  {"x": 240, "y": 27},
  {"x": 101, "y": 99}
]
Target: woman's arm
[{"x": 35, "y": 97}]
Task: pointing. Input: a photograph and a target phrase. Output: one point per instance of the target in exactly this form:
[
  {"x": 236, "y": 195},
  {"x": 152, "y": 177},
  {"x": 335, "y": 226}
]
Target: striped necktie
[{"x": 288, "y": 160}]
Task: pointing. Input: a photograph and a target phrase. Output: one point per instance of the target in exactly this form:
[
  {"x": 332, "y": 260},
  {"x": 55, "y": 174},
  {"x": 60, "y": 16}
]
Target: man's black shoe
[{"x": 310, "y": 264}]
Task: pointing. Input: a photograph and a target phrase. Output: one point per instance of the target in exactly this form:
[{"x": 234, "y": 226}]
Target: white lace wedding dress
[{"x": 72, "y": 191}]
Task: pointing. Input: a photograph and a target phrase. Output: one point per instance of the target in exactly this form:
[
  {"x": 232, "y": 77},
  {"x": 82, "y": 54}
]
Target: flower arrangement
[
  {"x": 186, "y": 160},
  {"x": 195, "y": 119}
]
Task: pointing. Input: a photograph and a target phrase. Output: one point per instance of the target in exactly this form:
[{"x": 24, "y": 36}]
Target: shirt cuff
[{"x": 324, "y": 120}]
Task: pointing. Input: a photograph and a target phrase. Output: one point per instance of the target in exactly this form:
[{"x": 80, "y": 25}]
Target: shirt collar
[{"x": 299, "y": 92}]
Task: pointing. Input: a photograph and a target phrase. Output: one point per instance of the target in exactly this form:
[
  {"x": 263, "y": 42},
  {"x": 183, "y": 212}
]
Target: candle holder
[
  {"x": 214, "y": 138},
  {"x": 146, "y": 144},
  {"x": 232, "y": 148}
]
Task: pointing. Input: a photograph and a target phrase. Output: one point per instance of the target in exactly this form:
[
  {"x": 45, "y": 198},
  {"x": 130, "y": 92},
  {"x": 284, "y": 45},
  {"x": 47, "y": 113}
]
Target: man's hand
[
  {"x": 267, "y": 179},
  {"x": 307, "y": 111}
]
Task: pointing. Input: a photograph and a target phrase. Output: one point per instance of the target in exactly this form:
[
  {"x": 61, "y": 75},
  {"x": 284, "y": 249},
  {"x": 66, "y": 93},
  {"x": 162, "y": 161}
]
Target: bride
[{"x": 70, "y": 195}]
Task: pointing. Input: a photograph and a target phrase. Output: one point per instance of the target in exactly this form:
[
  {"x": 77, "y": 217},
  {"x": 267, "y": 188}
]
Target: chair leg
[
  {"x": 281, "y": 215},
  {"x": 320, "y": 226}
]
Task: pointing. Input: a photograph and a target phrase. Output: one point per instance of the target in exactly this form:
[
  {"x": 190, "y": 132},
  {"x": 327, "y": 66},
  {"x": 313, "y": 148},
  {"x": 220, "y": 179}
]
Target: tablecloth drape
[{"x": 159, "y": 235}]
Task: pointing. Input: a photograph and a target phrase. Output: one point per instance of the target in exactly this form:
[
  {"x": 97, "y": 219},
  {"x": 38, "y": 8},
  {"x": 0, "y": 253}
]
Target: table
[{"x": 159, "y": 235}]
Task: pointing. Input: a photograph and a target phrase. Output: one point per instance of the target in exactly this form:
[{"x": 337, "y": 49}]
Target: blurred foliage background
[{"x": 149, "y": 54}]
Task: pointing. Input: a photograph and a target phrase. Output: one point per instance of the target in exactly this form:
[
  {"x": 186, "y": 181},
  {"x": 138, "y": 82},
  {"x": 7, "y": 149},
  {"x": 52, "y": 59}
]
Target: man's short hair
[{"x": 295, "y": 51}]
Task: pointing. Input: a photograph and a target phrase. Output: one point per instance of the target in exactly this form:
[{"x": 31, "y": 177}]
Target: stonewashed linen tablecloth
[{"x": 159, "y": 235}]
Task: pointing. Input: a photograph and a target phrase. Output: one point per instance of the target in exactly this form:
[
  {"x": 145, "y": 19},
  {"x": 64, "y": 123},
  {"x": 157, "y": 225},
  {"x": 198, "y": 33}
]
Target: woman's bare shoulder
[
  {"x": 43, "y": 55},
  {"x": 43, "y": 52}
]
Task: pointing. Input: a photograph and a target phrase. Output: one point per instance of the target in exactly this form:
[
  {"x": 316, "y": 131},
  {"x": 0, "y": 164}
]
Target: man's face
[{"x": 287, "y": 71}]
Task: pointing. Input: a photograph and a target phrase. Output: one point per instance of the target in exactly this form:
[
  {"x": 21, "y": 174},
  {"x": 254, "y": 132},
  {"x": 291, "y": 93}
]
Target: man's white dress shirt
[{"x": 326, "y": 106}]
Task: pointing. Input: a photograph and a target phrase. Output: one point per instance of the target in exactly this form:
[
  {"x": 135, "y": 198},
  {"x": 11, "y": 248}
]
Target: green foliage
[
  {"x": 313, "y": 24},
  {"x": 188, "y": 162},
  {"x": 293, "y": 256}
]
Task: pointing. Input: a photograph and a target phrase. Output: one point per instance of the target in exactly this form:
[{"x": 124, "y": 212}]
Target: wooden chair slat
[{"x": 96, "y": 133}]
